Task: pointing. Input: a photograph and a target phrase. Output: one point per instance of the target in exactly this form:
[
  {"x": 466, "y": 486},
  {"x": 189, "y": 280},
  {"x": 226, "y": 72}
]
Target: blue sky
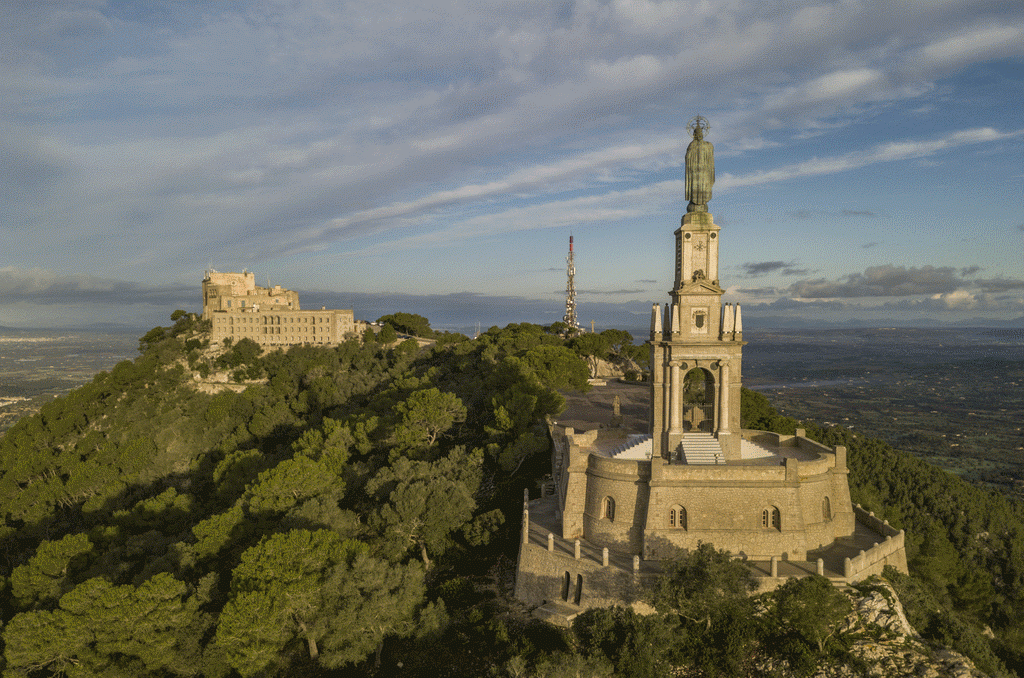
[{"x": 434, "y": 157}]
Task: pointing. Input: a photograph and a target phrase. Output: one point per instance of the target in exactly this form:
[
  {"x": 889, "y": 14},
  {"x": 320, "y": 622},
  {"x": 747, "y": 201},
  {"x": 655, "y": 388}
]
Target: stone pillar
[
  {"x": 847, "y": 568},
  {"x": 821, "y": 566},
  {"x": 551, "y": 542},
  {"x": 676, "y": 393},
  {"x": 636, "y": 564},
  {"x": 604, "y": 556},
  {"x": 723, "y": 398},
  {"x": 666, "y": 399},
  {"x": 775, "y": 566},
  {"x": 655, "y": 323},
  {"x": 576, "y": 549},
  {"x": 526, "y": 526}
]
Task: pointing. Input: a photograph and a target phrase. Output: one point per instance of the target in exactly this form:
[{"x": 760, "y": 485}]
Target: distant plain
[{"x": 952, "y": 396}]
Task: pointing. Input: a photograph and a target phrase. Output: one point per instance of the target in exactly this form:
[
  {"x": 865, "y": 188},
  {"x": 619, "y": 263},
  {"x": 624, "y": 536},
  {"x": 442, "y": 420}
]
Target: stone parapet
[
  {"x": 869, "y": 518},
  {"x": 872, "y": 561}
]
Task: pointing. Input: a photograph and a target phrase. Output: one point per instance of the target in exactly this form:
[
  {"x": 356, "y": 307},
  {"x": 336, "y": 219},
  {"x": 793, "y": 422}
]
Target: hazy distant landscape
[
  {"x": 38, "y": 364},
  {"x": 950, "y": 395}
]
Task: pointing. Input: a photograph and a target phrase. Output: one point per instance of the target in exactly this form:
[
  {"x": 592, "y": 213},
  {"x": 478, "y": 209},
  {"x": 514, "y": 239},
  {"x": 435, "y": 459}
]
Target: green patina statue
[{"x": 700, "y": 166}]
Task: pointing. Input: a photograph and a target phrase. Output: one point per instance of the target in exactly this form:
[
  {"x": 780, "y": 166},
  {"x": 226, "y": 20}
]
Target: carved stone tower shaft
[{"x": 696, "y": 345}]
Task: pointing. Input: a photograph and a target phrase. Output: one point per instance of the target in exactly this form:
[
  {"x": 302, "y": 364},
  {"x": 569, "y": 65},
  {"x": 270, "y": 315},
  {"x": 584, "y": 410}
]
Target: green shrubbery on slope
[
  {"x": 965, "y": 544},
  {"x": 346, "y": 512},
  {"x": 151, "y": 528}
]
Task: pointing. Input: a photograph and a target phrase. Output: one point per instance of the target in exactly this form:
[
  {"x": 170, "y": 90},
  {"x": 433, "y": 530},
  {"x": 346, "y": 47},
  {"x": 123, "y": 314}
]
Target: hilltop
[{"x": 344, "y": 509}]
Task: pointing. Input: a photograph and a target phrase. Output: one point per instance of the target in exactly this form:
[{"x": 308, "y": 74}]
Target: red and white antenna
[{"x": 572, "y": 324}]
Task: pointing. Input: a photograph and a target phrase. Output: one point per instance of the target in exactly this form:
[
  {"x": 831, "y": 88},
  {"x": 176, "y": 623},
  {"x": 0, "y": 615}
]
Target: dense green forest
[{"x": 354, "y": 511}]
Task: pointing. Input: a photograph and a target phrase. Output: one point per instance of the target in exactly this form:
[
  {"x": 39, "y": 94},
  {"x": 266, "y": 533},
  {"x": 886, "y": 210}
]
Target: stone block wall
[
  {"x": 892, "y": 551},
  {"x": 625, "y": 482},
  {"x": 728, "y": 506},
  {"x": 573, "y": 498},
  {"x": 546, "y": 575}
]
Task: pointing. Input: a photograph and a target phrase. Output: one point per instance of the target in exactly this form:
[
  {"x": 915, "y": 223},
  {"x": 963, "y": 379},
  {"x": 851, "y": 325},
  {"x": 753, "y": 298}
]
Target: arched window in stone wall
[
  {"x": 608, "y": 508},
  {"x": 771, "y": 518},
  {"x": 566, "y": 580},
  {"x": 677, "y": 517},
  {"x": 826, "y": 509},
  {"x": 579, "y": 589}
]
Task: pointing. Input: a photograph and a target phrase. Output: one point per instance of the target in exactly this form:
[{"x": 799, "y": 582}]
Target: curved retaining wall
[{"x": 892, "y": 551}]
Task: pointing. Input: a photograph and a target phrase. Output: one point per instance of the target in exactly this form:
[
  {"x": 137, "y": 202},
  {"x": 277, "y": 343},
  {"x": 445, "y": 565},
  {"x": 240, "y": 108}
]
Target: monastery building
[{"x": 270, "y": 316}]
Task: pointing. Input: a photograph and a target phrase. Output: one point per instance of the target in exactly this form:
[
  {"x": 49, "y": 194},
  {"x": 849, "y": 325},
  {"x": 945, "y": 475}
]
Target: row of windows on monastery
[
  {"x": 270, "y": 320},
  {"x": 771, "y": 518},
  {"x": 272, "y": 301},
  {"x": 313, "y": 330}
]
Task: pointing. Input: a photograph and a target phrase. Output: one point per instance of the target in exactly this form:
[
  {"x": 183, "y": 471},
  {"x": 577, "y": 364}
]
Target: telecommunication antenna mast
[{"x": 572, "y": 325}]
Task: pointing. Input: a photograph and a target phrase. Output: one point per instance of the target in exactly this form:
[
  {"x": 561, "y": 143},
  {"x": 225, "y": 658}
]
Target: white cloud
[
  {"x": 836, "y": 86},
  {"x": 977, "y": 43},
  {"x": 886, "y": 152},
  {"x": 234, "y": 130}
]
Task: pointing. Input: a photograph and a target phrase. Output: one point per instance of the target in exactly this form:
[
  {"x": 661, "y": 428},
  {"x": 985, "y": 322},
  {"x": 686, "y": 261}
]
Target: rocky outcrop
[{"x": 891, "y": 647}]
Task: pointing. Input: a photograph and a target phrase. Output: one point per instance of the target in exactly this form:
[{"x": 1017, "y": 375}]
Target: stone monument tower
[
  {"x": 620, "y": 500},
  {"x": 696, "y": 344}
]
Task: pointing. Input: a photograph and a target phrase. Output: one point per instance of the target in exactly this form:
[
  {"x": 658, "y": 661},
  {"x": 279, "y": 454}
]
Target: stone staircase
[
  {"x": 637, "y": 446},
  {"x": 752, "y": 450},
  {"x": 701, "y": 448}
]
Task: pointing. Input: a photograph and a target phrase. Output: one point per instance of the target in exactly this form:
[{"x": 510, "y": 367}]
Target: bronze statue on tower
[{"x": 700, "y": 166}]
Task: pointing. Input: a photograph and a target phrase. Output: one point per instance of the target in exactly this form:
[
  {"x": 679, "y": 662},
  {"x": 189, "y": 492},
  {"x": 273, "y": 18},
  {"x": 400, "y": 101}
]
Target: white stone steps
[
  {"x": 637, "y": 446},
  {"x": 752, "y": 450},
  {"x": 701, "y": 448}
]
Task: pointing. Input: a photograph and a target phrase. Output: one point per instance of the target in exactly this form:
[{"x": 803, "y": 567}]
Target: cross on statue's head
[{"x": 698, "y": 126}]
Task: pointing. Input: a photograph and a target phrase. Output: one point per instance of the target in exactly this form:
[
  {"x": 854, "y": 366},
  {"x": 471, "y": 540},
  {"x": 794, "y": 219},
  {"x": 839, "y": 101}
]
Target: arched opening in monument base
[{"x": 699, "y": 401}]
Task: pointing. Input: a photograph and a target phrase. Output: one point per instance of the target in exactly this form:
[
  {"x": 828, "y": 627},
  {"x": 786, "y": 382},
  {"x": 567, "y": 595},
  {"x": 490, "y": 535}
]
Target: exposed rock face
[{"x": 891, "y": 647}]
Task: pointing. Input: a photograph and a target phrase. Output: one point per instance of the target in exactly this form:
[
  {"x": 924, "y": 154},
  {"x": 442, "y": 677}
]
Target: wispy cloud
[
  {"x": 759, "y": 268},
  {"x": 881, "y": 281},
  {"x": 150, "y": 141},
  {"x": 49, "y": 288},
  {"x": 880, "y": 153}
]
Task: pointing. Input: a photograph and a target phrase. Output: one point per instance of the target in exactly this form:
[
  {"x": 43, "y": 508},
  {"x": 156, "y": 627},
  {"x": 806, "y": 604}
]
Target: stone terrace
[
  {"x": 587, "y": 411},
  {"x": 543, "y": 521}
]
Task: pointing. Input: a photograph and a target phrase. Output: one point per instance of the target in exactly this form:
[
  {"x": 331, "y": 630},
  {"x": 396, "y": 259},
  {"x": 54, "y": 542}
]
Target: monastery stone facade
[
  {"x": 271, "y": 316},
  {"x": 620, "y": 501}
]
